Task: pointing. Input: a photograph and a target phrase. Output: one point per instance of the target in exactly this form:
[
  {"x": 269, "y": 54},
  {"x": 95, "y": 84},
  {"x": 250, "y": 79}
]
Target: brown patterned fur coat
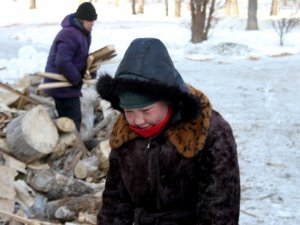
[{"x": 187, "y": 175}]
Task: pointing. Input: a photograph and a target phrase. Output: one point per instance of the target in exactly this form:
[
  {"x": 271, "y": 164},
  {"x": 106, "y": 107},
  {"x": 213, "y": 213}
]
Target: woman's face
[{"x": 148, "y": 116}]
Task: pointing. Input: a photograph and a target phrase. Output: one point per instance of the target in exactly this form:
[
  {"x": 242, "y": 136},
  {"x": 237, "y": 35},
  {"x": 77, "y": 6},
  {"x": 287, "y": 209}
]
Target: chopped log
[
  {"x": 87, "y": 218},
  {"x": 32, "y": 135},
  {"x": 14, "y": 163},
  {"x": 104, "y": 123},
  {"x": 7, "y": 205},
  {"x": 89, "y": 81},
  {"x": 89, "y": 63},
  {"x": 28, "y": 98},
  {"x": 25, "y": 195},
  {"x": 54, "y": 85},
  {"x": 102, "y": 153},
  {"x": 7, "y": 176},
  {"x": 62, "y": 84},
  {"x": 53, "y": 76},
  {"x": 66, "y": 154},
  {"x": 105, "y": 150},
  {"x": 43, "y": 100},
  {"x": 106, "y": 108},
  {"x": 87, "y": 167},
  {"x": 22, "y": 103},
  {"x": 24, "y": 220},
  {"x": 55, "y": 185},
  {"x": 69, "y": 208},
  {"x": 7, "y": 97},
  {"x": 65, "y": 161},
  {"x": 103, "y": 54},
  {"x": 3, "y": 146},
  {"x": 65, "y": 124},
  {"x": 65, "y": 141},
  {"x": 95, "y": 67},
  {"x": 89, "y": 101},
  {"x": 38, "y": 166},
  {"x": 7, "y": 192}
]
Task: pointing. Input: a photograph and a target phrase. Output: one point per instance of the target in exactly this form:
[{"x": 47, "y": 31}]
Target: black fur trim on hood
[{"x": 147, "y": 68}]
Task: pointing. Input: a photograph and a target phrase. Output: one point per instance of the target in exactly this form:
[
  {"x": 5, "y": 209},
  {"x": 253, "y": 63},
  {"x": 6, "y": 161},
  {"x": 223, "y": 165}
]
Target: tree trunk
[
  {"x": 252, "y": 15},
  {"x": 231, "y": 8},
  {"x": 177, "y": 8},
  {"x": 235, "y": 8},
  {"x": 200, "y": 21},
  {"x": 274, "y": 8},
  {"x": 141, "y": 7},
  {"x": 32, "y": 4},
  {"x": 227, "y": 7},
  {"x": 32, "y": 135},
  {"x": 167, "y": 7},
  {"x": 133, "y": 7},
  {"x": 56, "y": 186}
]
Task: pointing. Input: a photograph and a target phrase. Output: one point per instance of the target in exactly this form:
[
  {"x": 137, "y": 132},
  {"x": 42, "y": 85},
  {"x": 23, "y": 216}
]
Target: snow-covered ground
[{"x": 255, "y": 91}]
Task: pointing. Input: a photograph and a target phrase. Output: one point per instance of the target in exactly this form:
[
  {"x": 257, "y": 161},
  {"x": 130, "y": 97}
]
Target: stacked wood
[
  {"x": 69, "y": 208},
  {"x": 64, "y": 125},
  {"x": 55, "y": 185},
  {"x": 7, "y": 192},
  {"x": 32, "y": 135},
  {"x": 47, "y": 172},
  {"x": 96, "y": 58}
]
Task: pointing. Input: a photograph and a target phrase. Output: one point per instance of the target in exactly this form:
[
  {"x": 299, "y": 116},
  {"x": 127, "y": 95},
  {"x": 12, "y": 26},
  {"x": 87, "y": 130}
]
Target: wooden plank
[
  {"x": 9, "y": 88},
  {"x": 53, "y": 76},
  {"x": 7, "y": 176}
]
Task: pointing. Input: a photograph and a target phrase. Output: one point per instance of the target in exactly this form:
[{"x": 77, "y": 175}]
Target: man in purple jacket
[{"x": 68, "y": 56}]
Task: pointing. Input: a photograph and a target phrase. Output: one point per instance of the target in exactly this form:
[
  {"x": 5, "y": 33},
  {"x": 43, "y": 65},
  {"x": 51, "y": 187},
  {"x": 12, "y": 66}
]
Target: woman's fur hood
[{"x": 147, "y": 68}]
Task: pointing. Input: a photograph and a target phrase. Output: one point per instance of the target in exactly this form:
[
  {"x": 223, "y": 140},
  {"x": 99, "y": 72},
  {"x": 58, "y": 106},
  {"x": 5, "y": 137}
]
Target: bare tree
[
  {"x": 283, "y": 26},
  {"x": 252, "y": 15},
  {"x": 167, "y": 7},
  {"x": 202, "y": 14},
  {"x": 231, "y": 8},
  {"x": 32, "y": 4},
  {"x": 274, "y": 8},
  {"x": 140, "y": 6},
  {"x": 133, "y": 7},
  {"x": 177, "y": 8}
]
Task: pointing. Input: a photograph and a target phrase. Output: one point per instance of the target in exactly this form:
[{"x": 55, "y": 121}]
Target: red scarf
[{"x": 152, "y": 131}]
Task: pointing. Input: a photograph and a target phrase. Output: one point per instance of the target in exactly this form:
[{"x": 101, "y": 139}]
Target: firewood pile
[{"x": 50, "y": 173}]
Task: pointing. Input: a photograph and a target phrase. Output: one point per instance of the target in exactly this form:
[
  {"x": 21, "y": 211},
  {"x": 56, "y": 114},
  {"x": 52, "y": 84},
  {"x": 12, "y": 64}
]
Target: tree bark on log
[
  {"x": 56, "y": 186},
  {"x": 24, "y": 220},
  {"x": 32, "y": 135},
  {"x": 67, "y": 153},
  {"x": 69, "y": 208}
]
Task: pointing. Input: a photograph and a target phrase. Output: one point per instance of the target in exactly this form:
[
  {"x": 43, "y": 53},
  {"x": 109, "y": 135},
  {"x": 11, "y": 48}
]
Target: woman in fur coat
[{"x": 174, "y": 158}]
